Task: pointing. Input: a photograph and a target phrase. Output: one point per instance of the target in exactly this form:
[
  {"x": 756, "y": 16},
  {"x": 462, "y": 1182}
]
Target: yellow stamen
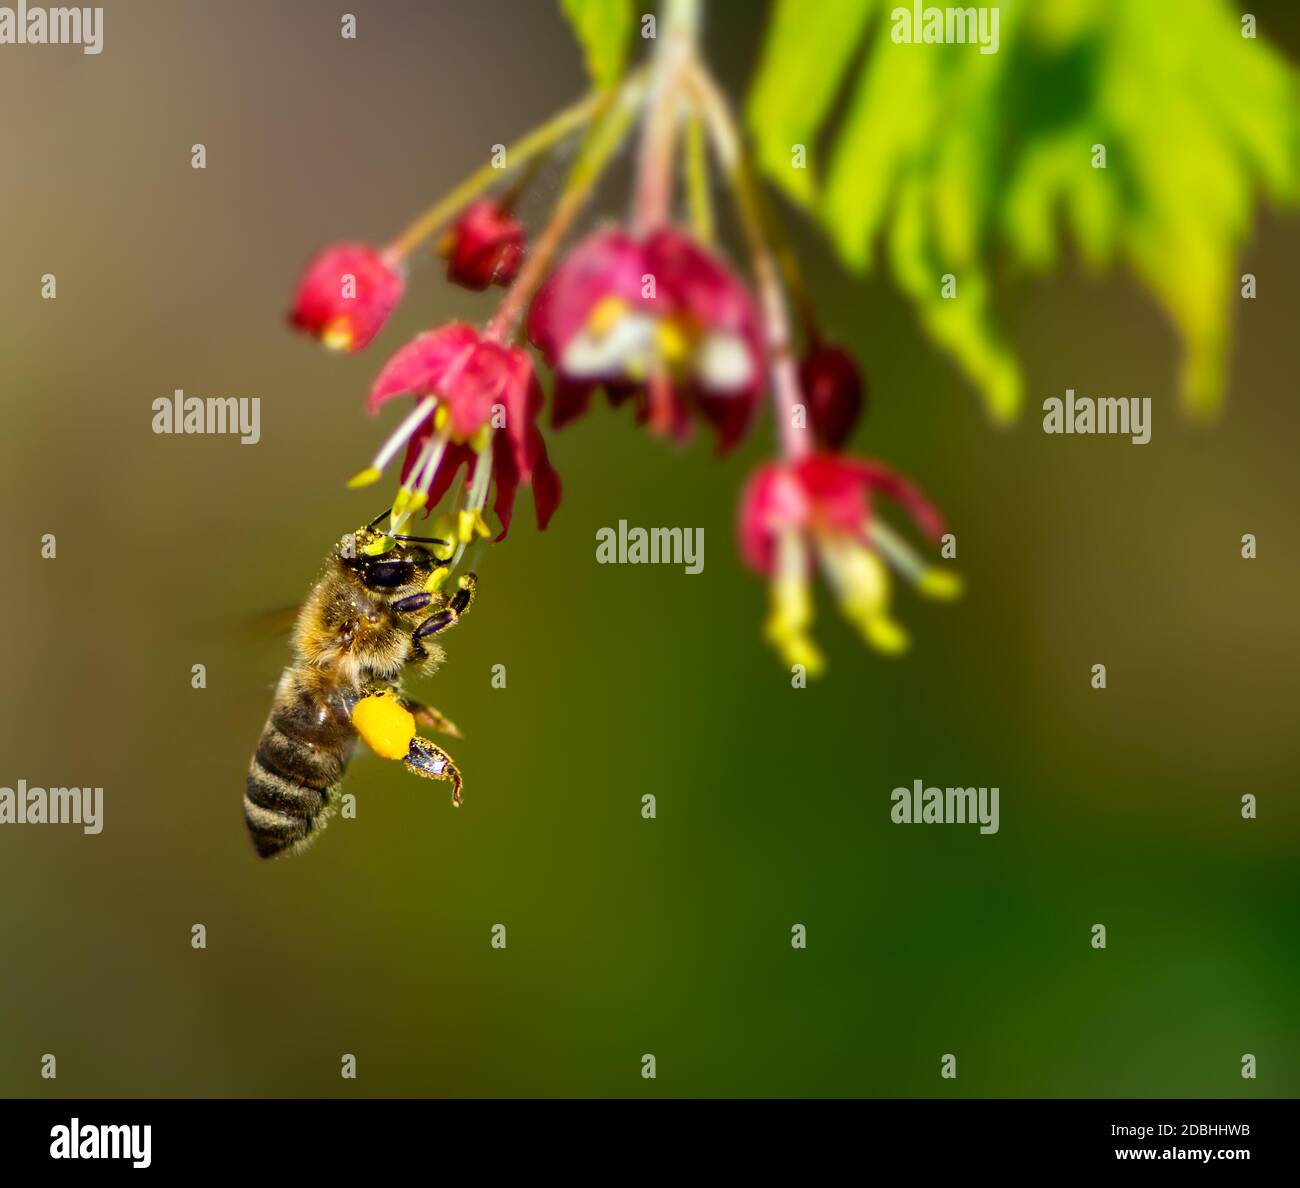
[
  {"x": 379, "y": 546},
  {"x": 885, "y": 635},
  {"x": 794, "y": 644},
  {"x": 441, "y": 417},
  {"x": 800, "y": 649},
  {"x": 401, "y": 500},
  {"x": 443, "y": 529},
  {"x": 861, "y": 584},
  {"x": 940, "y": 583},
  {"x": 363, "y": 478},
  {"x": 791, "y": 611},
  {"x": 337, "y": 336},
  {"x": 673, "y": 342},
  {"x": 481, "y": 438},
  {"x": 606, "y": 314}
]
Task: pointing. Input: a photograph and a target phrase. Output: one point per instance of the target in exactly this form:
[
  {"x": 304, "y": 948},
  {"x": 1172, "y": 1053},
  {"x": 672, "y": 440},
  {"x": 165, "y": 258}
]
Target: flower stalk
[
  {"x": 533, "y": 144},
  {"x": 606, "y": 137},
  {"x": 674, "y": 55},
  {"x": 796, "y": 441}
]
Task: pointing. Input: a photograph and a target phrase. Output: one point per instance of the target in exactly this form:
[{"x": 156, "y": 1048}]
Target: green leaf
[
  {"x": 805, "y": 57},
  {"x": 604, "y": 30},
  {"x": 950, "y": 156}
]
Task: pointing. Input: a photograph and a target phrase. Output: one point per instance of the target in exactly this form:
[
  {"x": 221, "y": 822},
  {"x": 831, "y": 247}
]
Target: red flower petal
[
  {"x": 421, "y": 367},
  {"x": 837, "y": 490},
  {"x": 824, "y": 491},
  {"x": 607, "y": 263},
  {"x": 547, "y": 490},
  {"x": 773, "y": 500},
  {"x": 485, "y": 378},
  {"x": 505, "y": 474},
  {"x": 929, "y": 519},
  {"x": 569, "y": 400},
  {"x": 698, "y": 284}
]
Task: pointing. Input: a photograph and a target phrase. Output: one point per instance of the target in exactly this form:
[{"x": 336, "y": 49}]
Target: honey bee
[{"x": 370, "y": 616}]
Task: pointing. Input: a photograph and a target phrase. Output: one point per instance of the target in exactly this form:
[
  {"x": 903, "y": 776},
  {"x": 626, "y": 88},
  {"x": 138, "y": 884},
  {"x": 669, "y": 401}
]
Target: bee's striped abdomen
[{"x": 295, "y": 772}]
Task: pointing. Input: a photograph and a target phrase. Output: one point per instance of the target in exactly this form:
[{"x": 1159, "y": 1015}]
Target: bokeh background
[{"x": 626, "y": 937}]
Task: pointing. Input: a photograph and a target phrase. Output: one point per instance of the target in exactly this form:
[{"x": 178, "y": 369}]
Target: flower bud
[
  {"x": 834, "y": 390},
  {"x": 485, "y": 247},
  {"x": 346, "y": 295}
]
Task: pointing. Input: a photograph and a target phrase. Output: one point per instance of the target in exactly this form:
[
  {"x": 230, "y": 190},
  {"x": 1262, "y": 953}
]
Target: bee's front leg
[
  {"x": 455, "y": 605},
  {"x": 433, "y": 763}
]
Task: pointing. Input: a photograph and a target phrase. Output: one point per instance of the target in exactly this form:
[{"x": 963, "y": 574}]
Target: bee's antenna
[
  {"x": 423, "y": 539},
  {"x": 379, "y": 517}
]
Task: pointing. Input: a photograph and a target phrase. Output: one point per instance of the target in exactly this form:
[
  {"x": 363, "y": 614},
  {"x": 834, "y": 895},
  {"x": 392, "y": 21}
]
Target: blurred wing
[{"x": 272, "y": 623}]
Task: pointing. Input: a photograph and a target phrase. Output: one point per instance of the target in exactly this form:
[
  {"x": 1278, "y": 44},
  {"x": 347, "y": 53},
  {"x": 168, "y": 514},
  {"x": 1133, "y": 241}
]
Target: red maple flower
[
  {"x": 346, "y": 294},
  {"x": 477, "y": 406},
  {"x": 660, "y": 319},
  {"x": 818, "y": 510},
  {"x": 485, "y": 247}
]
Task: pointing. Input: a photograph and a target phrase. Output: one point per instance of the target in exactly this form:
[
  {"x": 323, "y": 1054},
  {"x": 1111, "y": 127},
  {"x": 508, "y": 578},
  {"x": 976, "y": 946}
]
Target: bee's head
[{"x": 384, "y": 562}]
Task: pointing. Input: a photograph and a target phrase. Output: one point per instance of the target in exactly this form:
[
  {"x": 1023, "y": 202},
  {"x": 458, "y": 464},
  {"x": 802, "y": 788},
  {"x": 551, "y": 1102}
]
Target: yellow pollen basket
[{"x": 385, "y": 725}]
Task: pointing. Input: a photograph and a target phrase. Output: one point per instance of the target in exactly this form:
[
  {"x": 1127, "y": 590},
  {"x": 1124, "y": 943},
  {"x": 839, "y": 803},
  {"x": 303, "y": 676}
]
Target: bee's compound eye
[{"x": 388, "y": 575}]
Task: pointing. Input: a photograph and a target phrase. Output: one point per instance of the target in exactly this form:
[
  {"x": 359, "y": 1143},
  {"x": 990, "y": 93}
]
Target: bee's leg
[
  {"x": 433, "y": 763},
  {"x": 411, "y": 603},
  {"x": 431, "y": 719},
  {"x": 457, "y": 603}
]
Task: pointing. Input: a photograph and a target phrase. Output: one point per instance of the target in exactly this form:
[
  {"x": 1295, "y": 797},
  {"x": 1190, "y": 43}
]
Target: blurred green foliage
[
  {"x": 604, "y": 30},
  {"x": 947, "y": 152}
]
